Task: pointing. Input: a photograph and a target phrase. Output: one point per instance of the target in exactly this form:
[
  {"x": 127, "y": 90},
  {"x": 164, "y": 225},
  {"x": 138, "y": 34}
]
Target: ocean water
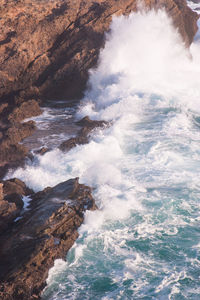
[{"x": 144, "y": 241}]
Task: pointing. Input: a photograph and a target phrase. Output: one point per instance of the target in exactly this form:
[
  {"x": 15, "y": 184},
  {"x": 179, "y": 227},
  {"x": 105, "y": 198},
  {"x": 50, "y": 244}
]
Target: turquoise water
[
  {"x": 144, "y": 241},
  {"x": 154, "y": 251}
]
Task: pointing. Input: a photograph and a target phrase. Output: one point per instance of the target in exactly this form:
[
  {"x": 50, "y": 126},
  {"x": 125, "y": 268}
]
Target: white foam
[
  {"x": 194, "y": 6},
  {"x": 59, "y": 266}
]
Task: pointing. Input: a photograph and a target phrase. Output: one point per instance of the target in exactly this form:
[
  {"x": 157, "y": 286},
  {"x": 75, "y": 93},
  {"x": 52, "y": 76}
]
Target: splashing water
[{"x": 144, "y": 241}]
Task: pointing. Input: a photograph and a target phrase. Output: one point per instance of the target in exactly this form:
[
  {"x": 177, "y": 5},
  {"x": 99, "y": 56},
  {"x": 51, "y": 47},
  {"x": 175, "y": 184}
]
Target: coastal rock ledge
[{"x": 45, "y": 232}]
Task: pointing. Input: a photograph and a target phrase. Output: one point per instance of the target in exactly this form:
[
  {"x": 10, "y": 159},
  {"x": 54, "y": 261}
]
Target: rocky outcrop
[
  {"x": 47, "y": 47},
  {"x": 83, "y": 134},
  {"x": 12, "y": 131},
  {"x": 11, "y": 203},
  {"x": 8, "y": 211},
  {"x": 46, "y": 232}
]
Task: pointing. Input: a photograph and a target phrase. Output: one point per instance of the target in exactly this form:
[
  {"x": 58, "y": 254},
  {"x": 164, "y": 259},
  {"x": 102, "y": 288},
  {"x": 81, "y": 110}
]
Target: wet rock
[
  {"x": 14, "y": 190},
  {"x": 83, "y": 134},
  {"x": 46, "y": 232},
  {"x": 42, "y": 151},
  {"x": 1, "y": 191},
  {"x": 91, "y": 124},
  {"x": 17, "y": 133},
  {"x": 8, "y": 211},
  {"x": 11, "y": 203},
  {"x": 73, "y": 142},
  {"x": 13, "y": 154},
  {"x": 15, "y": 185}
]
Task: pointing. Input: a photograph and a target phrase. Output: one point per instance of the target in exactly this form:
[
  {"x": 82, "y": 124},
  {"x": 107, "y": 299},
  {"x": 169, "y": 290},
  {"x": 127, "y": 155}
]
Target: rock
[
  {"x": 47, "y": 47},
  {"x": 83, "y": 134},
  {"x": 3, "y": 106},
  {"x": 8, "y": 212},
  {"x": 11, "y": 203},
  {"x": 14, "y": 190},
  {"x": 46, "y": 232},
  {"x": 17, "y": 133},
  {"x": 73, "y": 142},
  {"x": 15, "y": 185},
  {"x": 42, "y": 151},
  {"x": 13, "y": 154},
  {"x": 1, "y": 191},
  {"x": 87, "y": 122},
  {"x": 25, "y": 110}
]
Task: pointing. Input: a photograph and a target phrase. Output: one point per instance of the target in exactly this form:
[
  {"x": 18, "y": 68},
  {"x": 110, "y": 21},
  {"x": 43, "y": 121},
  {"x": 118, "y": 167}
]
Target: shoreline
[{"x": 40, "y": 258}]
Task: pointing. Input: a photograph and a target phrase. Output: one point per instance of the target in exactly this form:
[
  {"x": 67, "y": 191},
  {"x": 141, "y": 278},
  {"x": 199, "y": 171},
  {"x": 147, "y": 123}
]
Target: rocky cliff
[
  {"x": 46, "y": 50},
  {"x": 45, "y": 232},
  {"x": 47, "y": 47}
]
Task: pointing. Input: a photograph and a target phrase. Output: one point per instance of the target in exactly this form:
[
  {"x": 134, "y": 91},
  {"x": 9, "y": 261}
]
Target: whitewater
[{"x": 144, "y": 241}]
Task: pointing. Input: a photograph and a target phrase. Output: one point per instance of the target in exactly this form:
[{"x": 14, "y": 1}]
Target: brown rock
[
  {"x": 13, "y": 154},
  {"x": 1, "y": 191},
  {"x": 8, "y": 212},
  {"x": 15, "y": 185},
  {"x": 83, "y": 134},
  {"x": 27, "y": 109},
  {"x": 17, "y": 133},
  {"x": 87, "y": 122},
  {"x": 42, "y": 151},
  {"x": 11, "y": 203},
  {"x": 45, "y": 233},
  {"x": 14, "y": 189}
]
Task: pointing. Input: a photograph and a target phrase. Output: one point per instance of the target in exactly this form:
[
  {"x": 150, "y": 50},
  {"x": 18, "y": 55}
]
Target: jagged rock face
[
  {"x": 83, "y": 134},
  {"x": 12, "y": 131},
  {"x": 46, "y": 232},
  {"x": 11, "y": 203},
  {"x": 47, "y": 47}
]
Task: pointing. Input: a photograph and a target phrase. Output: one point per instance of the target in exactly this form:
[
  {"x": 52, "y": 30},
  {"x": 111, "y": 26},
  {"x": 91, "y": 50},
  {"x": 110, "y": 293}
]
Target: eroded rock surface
[
  {"x": 83, "y": 134},
  {"x": 12, "y": 131},
  {"x": 46, "y": 232},
  {"x": 11, "y": 203}
]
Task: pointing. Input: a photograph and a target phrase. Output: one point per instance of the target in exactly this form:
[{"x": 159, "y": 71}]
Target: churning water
[{"x": 144, "y": 241}]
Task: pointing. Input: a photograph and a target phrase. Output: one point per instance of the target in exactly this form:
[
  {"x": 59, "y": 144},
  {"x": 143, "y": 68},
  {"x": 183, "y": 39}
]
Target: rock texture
[
  {"x": 47, "y": 47},
  {"x": 46, "y": 232},
  {"x": 11, "y": 203},
  {"x": 12, "y": 131},
  {"x": 83, "y": 134}
]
